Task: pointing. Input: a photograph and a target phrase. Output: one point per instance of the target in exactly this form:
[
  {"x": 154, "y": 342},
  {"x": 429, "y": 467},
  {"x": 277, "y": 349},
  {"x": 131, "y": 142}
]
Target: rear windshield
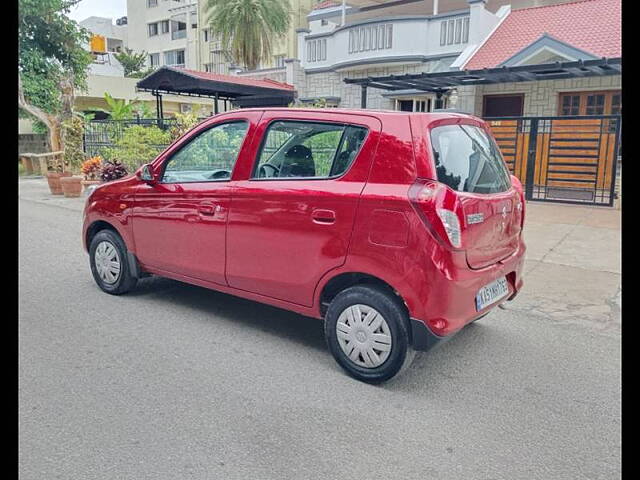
[{"x": 468, "y": 160}]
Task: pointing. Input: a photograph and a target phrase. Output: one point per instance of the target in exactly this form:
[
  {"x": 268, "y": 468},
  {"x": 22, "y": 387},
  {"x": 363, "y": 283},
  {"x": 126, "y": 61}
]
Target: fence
[
  {"x": 562, "y": 159},
  {"x": 102, "y": 134}
]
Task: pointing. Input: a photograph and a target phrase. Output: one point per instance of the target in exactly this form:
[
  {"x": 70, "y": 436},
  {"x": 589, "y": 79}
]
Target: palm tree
[{"x": 247, "y": 28}]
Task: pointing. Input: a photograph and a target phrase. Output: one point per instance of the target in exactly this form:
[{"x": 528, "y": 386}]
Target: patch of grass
[{"x": 21, "y": 169}]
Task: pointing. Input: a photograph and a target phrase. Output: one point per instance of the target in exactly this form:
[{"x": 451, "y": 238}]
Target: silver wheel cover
[
  {"x": 364, "y": 336},
  {"x": 107, "y": 262}
]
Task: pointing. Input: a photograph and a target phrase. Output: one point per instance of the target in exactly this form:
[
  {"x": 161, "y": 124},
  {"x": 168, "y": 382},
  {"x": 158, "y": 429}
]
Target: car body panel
[{"x": 267, "y": 246}]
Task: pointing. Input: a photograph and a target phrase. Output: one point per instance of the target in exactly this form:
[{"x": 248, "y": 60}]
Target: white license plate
[{"x": 491, "y": 293}]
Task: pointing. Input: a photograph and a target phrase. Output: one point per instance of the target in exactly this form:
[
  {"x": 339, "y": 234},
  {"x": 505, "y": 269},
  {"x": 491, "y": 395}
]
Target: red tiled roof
[
  {"x": 326, "y": 4},
  {"x": 591, "y": 25},
  {"x": 264, "y": 83}
]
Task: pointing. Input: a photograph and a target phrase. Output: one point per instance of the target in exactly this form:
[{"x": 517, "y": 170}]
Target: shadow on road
[
  {"x": 305, "y": 330},
  {"x": 432, "y": 369}
]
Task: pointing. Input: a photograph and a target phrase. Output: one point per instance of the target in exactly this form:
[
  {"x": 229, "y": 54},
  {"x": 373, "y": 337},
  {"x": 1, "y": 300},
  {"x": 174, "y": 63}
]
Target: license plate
[{"x": 491, "y": 293}]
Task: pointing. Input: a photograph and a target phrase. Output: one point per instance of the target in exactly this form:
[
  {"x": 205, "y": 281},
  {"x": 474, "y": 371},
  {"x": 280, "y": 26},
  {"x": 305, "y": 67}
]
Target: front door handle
[
  {"x": 208, "y": 209},
  {"x": 323, "y": 216}
]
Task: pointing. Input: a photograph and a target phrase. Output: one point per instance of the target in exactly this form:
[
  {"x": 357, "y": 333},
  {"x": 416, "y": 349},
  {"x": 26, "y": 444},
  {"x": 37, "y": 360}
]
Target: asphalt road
[{"x": 175, "y": 381}]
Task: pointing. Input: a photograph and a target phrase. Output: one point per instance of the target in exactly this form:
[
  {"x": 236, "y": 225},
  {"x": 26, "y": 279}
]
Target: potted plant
[
  {"x": 91, "y": 171},
  {"x": 72, "y": 130},
  {"x": 54, "y": 174},
  {"x": 112, "y": 170}
]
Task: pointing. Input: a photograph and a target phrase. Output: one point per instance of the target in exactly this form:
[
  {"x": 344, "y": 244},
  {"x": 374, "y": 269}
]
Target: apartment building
[
  {"x": 167, "y": 30},
  {"x": 375, "y": 38}
]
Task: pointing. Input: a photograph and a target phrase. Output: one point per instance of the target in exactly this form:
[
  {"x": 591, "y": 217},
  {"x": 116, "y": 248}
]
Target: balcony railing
[{"x": 178, "y": 34}]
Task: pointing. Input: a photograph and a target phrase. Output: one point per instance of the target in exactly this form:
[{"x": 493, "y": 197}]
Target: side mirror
[{"x": 146, "y": 174}]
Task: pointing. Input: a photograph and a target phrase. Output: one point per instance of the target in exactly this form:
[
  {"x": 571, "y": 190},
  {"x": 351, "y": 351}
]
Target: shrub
[
  {"x": 72, "y": 130},
  {"x": 91, "y": 168},
  {"x": 112, "y": 171},
  {"x": 186, "y": 121},
  {"x": 139, "y": 145}
]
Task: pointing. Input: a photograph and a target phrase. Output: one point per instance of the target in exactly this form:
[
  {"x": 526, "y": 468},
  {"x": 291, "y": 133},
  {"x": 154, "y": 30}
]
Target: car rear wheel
[
  {"x": 367, "y": 333},
  {"x": 109, "y": 263}
]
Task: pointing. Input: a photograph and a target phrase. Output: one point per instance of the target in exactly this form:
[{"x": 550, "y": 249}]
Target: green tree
[
  {"x": 247, "y": 28},
  {"x": 133, "y": 63},
  {"x": 52, "y": 63}
]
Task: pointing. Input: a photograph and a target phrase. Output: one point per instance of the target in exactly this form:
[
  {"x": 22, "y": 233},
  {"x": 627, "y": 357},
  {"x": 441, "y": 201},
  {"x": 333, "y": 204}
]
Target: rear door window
[
  {"x": 468, "y": 160},
  {"x": 300, "y": 149}
]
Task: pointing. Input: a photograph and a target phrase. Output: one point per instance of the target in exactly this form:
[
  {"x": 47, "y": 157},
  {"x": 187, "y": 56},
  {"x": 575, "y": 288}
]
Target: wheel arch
[
  {"x": 97, "y": 226},
  {"x": 344, "y": 280}
]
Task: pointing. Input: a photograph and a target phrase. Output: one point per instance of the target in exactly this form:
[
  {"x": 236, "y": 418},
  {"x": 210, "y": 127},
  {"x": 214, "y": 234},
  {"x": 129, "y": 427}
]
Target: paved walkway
[{"x": 573, "y": 268}]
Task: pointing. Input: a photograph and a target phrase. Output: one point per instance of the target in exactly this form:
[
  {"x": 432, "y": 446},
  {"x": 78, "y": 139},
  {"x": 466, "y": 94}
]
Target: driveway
[{"x": 175, "y": 381}]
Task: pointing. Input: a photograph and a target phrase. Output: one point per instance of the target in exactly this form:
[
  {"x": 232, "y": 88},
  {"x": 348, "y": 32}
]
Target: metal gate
[{"x": 562, "y": 159}]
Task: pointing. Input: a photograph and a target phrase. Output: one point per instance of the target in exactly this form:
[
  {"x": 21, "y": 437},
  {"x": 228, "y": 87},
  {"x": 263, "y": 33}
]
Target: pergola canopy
[
  {"x": 246, "y": 92},
  {"x": 440, "y": 82}
]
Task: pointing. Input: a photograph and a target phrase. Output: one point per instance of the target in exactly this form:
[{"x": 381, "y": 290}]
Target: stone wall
[
  {"x": 33, "y": 143},
  {"x": 541, "y": 97}
]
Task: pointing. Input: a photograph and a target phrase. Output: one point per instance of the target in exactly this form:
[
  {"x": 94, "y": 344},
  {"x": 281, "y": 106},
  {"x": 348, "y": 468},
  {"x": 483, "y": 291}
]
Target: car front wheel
[{"x": 109, "y": 264}]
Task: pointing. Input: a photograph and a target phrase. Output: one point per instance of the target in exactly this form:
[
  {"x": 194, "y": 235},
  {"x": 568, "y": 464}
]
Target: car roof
[{"x": 382, "y": 114}]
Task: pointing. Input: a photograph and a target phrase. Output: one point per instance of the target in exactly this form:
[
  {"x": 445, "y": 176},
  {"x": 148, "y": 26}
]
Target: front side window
[
  {"x": 209, "y": 157},
  {"x": 293, "y": 149},
  {"x": 468, "y": 160}
]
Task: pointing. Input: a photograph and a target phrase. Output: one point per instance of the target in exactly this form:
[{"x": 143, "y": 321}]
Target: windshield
[{"x": 468, "y": 160}]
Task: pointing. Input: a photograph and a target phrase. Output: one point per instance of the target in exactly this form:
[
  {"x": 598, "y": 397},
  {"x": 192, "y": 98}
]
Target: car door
[
  {"x": 292, "y": 213},
  {"x": 179, "y": 221}
]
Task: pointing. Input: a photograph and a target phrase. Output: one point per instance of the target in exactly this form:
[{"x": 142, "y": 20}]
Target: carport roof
[{"x": 181, "y": 81}]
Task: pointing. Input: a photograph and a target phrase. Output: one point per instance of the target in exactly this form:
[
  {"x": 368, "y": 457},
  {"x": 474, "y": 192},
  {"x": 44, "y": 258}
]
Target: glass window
[
  {"x": 468, "y": 160},
  {"x": 164, "y": 26},
  {"x": 154, "y": 59},
  {"x": 595, "y": 104},
  {"x": 616, "y": 104},
  {"x": 152, "y": 3},
  {"x": 458, "y": 36},
  {"x": 209, "y": 157},
  {"x": 465, "y": 31},
  {"x": 294, "y": 149},
  {"x": 381, "y": 36},
  {"x": 450, "y": 32},
  {"x": 443, "y": 33},
  {"x": 389, "y": 36},
  {"x": 153, "y": 29}
]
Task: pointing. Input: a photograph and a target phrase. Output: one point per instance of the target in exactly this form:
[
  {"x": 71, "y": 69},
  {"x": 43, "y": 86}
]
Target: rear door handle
[{"x": 323, "y": 216}]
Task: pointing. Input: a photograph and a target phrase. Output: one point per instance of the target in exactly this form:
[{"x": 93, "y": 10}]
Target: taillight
[
  {"x": 515, "y": 181},
  {"x": 437, "y": 206},
  {"x": 451, "y": 225}
]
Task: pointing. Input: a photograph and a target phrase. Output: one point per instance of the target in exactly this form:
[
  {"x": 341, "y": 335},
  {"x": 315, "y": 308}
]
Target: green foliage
[
  {"x": 119, "y": 109},
  {"x": 50, "y": 48},
  {"x": 143, "y": 110},
  {"x": 72, "y": 130},
  {"x": 247, "y": 28},
  {"x": 138, "y": 145},
  {"x": 186, "y": 121},
  {"x": 217, "y": 147},
  {"x": 133, "y": 63}
]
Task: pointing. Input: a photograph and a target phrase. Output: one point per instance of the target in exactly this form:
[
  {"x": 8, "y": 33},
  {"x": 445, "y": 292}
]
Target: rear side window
[
  {"x": 468, "y": 160},
  {"x": 295, "y": 149}
]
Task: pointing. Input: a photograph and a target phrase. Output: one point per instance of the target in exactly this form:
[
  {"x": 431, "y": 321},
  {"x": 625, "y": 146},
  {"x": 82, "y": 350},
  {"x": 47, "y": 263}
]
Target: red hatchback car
[{"x": 398, "y": 229}]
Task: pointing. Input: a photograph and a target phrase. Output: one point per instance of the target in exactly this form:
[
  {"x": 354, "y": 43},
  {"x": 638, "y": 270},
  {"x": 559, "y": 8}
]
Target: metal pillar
[
  {"x": 439, "y": 100},
  {"x": 159, "y": 112},
  {"x": 215, "y": 105},
  {"x": 363, "y": 96}
]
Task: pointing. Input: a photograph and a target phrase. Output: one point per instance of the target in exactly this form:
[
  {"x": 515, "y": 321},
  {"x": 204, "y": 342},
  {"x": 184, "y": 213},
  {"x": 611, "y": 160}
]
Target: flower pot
[
  {"x": 86, "y": 184},
  {"x": 53, "y": 178},
  {"x": 71, "y": 186}
]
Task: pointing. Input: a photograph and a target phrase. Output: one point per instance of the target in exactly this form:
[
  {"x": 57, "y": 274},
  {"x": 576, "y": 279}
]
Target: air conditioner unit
[{"x": 185, "y": 107}]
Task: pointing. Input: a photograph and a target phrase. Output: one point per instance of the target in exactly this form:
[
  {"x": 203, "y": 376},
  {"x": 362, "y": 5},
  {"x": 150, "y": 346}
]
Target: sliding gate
[{"x": 562, "y": 159}]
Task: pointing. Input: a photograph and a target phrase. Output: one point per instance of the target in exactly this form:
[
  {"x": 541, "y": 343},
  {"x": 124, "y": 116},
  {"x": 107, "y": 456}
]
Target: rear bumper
[{"x": 449, "y": 303}]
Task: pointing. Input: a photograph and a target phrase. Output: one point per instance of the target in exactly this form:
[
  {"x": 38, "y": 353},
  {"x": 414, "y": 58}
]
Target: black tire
[
  {"x": 394, "y": 314},
  {"x": 125, "y": 280}
]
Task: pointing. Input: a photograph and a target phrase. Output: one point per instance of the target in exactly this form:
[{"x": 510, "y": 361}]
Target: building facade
[{"x": 374, "y": 39}]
